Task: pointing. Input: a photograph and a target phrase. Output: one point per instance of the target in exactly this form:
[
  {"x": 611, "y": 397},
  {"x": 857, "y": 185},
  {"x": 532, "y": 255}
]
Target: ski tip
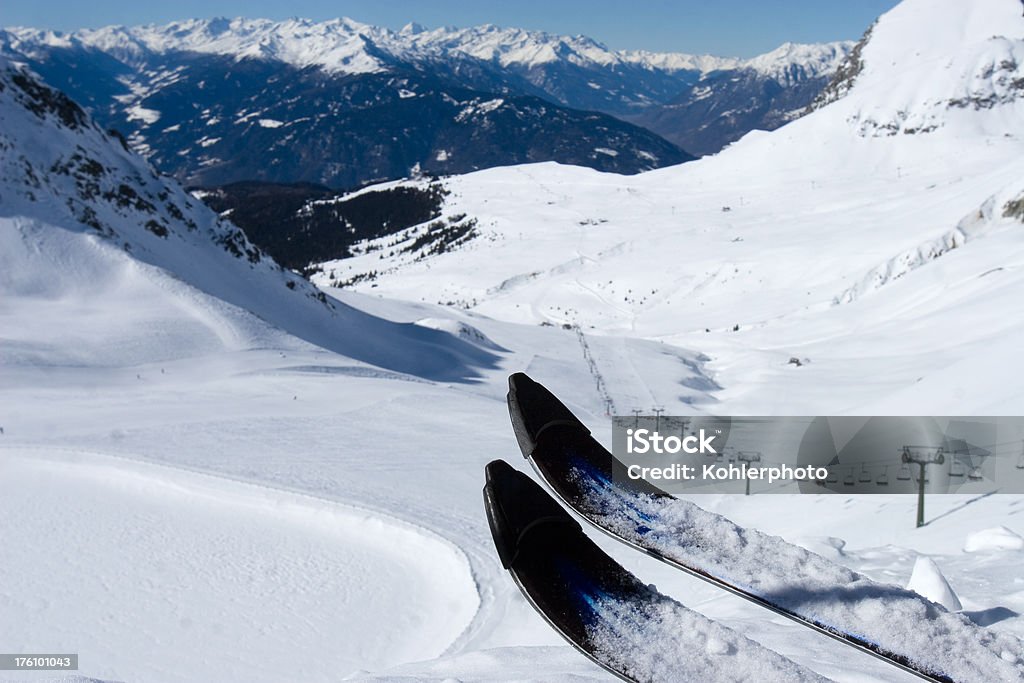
[
  {"x": 498, "y": 471},
  {"x": 533, "y": 409},
  {"x": 519, "y": 512}
]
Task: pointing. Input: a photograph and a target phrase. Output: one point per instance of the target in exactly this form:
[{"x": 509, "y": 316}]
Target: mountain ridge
[
  {"x": 211, "y": 119},
  {"x": 639, "y": 87},
  {"x": 303, "y": 42}
]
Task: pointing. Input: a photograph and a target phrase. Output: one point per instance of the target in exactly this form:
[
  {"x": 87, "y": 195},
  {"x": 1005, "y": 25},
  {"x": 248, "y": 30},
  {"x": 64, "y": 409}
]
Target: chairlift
[
  {"x": 1020, "y": 462},
  {"x": 833, "y": 477},
  {"x": 848, "y": 479},
  {"x": 904, "y": 473},
  {"x": 975, "y": 474},
  {"x": 883, "y": 478},
  {"x": 957, "y": 470},
  {"x": 865, "y": 476}
]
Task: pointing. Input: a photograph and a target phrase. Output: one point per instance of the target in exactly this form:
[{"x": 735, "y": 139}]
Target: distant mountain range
[{"x": 340, "y": 103}]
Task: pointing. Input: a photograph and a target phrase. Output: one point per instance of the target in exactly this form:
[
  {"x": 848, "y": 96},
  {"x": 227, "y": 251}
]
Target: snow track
[
  {"x": 156, "y": 573},
  {"x": 599, "y": 383}
]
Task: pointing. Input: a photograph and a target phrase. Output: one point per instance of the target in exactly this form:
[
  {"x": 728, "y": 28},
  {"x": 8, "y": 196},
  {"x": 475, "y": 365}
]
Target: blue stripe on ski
[{"x": 586, "y": 467}]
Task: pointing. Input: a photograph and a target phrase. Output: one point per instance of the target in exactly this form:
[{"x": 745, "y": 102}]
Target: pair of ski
[{"x": 638, "y": 634}]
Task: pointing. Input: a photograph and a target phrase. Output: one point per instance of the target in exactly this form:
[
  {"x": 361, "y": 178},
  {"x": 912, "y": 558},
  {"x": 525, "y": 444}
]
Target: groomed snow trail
[{"x": 155, "y": 573}]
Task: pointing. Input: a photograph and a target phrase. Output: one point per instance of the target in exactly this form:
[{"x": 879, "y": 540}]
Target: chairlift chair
[
  {"x": 975, "y": 474},
  {"x": 904, "y": 473},
  {"x": 865, "y": 476},
  {"x": 957, "y": 469},
  {"x": 883, "y": 478},
  {"x": 848, "y": 479}
]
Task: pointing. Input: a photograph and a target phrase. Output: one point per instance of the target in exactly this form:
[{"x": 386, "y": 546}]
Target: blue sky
[{"x": 727, "y": 27}]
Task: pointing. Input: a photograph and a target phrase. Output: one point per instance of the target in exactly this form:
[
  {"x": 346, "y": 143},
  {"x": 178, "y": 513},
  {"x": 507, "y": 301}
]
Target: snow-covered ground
[
  {"x": 192, "y": 492},
  {"x": 282, "y": 512}
]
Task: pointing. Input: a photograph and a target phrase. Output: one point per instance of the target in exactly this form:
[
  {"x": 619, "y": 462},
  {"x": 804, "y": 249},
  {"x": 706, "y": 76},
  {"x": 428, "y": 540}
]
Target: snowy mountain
[
  {"x": 796, "y": 62},
  {"x": 214, "y": 103},
  {"x": 762, "y": 93},
  {"x": 977, "y": 90},
  {"x": 576, "y": 71},
  {"x": 349, "y": 47},
  {"x": 269, "y": 98},
  {"x": 82, "y": 218}
]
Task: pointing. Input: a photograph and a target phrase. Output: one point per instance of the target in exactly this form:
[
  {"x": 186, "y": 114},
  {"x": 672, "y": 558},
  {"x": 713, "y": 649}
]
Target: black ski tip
[
  {"x": 499, "y": 472},
  {"x": 519, "y": 512},
  {"x": 533, "y": 409}
]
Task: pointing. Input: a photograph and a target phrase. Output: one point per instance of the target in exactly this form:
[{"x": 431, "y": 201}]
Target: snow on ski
[
  {"x": 605, "y": 612},
  {"x": 887, "y": 621}
]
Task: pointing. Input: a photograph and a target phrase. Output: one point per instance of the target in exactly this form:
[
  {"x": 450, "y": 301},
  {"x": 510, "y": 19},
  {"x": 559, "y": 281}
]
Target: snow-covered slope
[
  {"x": 911, "y": 81},
  {"x": 820, "y": 240},
  {"x": 82, "y": 219}
]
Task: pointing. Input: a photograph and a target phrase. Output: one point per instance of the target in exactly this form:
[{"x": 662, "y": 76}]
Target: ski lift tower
[
  {"x": 922, "y": 456},
  {"x": 657, "y": 410},
  {"x": 748, "y": 457}
]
